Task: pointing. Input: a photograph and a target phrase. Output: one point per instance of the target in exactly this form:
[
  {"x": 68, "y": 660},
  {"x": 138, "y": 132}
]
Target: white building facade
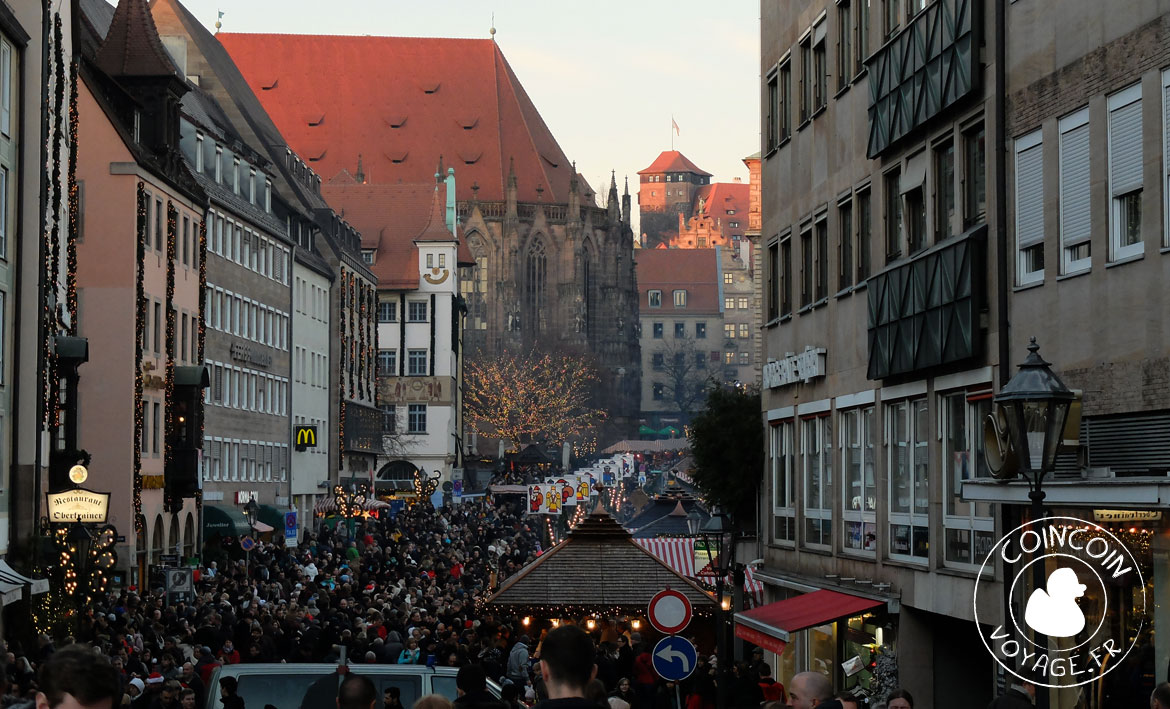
[{"x": 311, "y": 316}]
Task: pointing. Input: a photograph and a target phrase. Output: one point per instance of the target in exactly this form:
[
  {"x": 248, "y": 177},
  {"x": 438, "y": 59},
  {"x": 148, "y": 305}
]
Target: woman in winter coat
[{"x": 410, "y": 654}]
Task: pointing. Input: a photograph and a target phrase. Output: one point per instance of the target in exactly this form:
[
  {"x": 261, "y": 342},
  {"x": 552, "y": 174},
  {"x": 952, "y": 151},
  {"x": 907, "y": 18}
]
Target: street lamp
[
  {"x": 1035, "y": 405},
  {"x": 717, "y": 536}
]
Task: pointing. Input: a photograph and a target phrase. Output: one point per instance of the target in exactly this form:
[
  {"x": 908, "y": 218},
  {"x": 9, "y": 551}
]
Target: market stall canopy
[
  {"x": 271, "y": 517},
  {"x": 10, "y": 575},
  {"x": 598, "y": 568},
  {"x": 673, "y": 444},
  {"x": 225, "y": 521},
  {"x": 772, "y": 626}
]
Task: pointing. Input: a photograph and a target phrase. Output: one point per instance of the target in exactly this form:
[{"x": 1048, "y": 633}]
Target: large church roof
[
  {"x": 673, "y": 161},
  {"x": 402, "y": 102}
]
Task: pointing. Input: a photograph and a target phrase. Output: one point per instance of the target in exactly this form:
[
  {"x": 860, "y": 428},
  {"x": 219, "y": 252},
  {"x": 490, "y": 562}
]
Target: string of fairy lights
[
  {"x": 341, "y": 389},
  {"x": 361, "y": 308},
  {"x": 52, "y": 250},
  {"x": 74, "y": 206},
  {"x": 169, "y": 376},
  {"x": 202, "y": 338},
  {"x": 139, "y": 341}
]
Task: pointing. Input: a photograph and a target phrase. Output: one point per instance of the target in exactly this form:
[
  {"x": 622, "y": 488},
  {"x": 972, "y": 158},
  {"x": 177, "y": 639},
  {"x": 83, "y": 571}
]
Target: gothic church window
[{"x": 535, "y": 269}]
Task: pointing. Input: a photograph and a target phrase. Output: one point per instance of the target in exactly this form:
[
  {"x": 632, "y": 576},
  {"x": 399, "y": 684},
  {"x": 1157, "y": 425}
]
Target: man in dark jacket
[
  {"x": 1018, "y": 696},
  {"x": 566, "y": 665},
  {"x": 471, "y": 685}
]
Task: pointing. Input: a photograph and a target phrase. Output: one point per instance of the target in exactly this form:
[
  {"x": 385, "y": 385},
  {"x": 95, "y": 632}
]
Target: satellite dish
[{"x": 997, "y": 446}]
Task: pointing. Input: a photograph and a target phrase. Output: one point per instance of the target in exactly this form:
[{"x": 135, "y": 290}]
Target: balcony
[
  {"x": 924, "y": 313},
  {"x": 363, "y": 429},
  {"x": 923, "y": 70}
]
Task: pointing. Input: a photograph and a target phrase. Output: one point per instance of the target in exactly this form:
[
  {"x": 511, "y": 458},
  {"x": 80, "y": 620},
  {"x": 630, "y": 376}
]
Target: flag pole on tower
[{"x": 673, "y": 131}]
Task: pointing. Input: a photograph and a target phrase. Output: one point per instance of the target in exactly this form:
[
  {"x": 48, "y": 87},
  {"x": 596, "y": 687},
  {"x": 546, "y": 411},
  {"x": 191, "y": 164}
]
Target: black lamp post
[
  {"x": 717, "y": 536},
  {"x": 1035, "y": 405}
]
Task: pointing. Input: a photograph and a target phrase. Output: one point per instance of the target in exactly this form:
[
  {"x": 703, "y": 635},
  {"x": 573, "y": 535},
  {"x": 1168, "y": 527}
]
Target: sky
[{"x": 606, "y": 76}]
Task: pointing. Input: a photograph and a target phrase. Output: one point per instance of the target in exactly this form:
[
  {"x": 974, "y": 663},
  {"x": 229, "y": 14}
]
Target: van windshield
[{"x": 288, "y": 691}]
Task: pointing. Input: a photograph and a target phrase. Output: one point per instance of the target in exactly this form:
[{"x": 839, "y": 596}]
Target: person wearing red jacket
[
  {"x": 229, "y": 655},
  {"x": 644, "y": 676},
  {"x": 773, "y": 691}
]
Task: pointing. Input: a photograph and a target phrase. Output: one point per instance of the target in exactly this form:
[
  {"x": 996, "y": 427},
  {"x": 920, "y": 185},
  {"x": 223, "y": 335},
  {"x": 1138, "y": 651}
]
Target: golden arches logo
[{"x": 305, "y": 437}]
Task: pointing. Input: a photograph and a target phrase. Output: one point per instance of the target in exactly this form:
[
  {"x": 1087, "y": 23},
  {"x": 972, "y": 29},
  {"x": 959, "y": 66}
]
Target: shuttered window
[
  {"x": 1166, "y": 154},
  {"x": 1075, "y": 201},
  {"x": 1125, "y": 172},
  {"x": 1030, "y": 208}
]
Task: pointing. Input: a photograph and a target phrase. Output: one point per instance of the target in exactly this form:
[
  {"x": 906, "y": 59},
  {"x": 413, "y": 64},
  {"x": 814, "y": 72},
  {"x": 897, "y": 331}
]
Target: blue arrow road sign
[{"x": 674, "y": 658}]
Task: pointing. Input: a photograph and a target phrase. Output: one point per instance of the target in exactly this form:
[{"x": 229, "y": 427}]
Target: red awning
[{"x": 771, "y": 626}]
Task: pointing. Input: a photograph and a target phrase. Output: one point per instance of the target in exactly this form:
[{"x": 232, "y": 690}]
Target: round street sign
[
  {"x": 674, "y": 658},
  {"x": 669, "y": 611},
  {"x": 78, "y": 474},
  {"x": 247, "y": 543}
]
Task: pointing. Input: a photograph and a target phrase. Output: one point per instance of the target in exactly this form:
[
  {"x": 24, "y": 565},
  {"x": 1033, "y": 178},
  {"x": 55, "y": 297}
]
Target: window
[
  {"x": 155, "y": 425},
  {"x": 657, "y": 330},
  {"x": 389, "y": 418},
  {"x": 417, "y": 418},
  {"x": 744, "y": 332},
  {"x": 817, "y": 468},
  {"x": 534, "y": 285},
  {"x": 5, "y": 88},
  {"x": 781, "y": 459},
  {"x": 729, "y": 330},
  {"x": 745, "y": 358},
  {"x": 844, "y": 44},
  {"x": 186, "y": 240},
  {"x": 892, "y": 182},
  {"x": 741, "y": 303},
  {"x": 680, "y": 299},
  {"x": 891, "y": 19},
  {"x": 368, "y": 256},
  {"x": 822, "y": 285},
  {"x": 785, "y": 100},
  {"x": 915, "y": 220},
  {"x": 820, "y": 67},
  {"x": 416, "y": 363},
  {"x": 658, "y": 391},
  {"x": 909, "y": 492},
  {"x": 680, "y": 329},
  {"x": 387, "y": 363},
  {"x": 1029, "y": 209},
  {"x": 157, "y": 325},
  {"x": 806, "y": 78},
  {"x": 862, "y": 36},
  {"x": 4, "y": 192},
  {"x": 858, "y": 493},
  {"x": 913, "y": 7},
  {"x": 944, "y": 191},
  {"x": 729, "y": 358},
  {"x": 658, "y": 361},
  {"x": 700, "y": 331},
  {"x": 159, "y": 234},
  {"x": 700, "y": 360},
  {"x": 1166, "y": 155},
  {"x": 729, "y": 303},
  {"x": 655, "y": 298},
  {"x": 183, "y": 338},
  {"x": 387, "y": 311},
  {"x": 417, "y": 310},
  {"x": 773, "y": 281},
  {"x": 808, "y": 262},
  {"x": 771, "y": 115},
  {"x": 975, "y": 177},
  {"x": 728, "y": 279},
  {"x": 844, "y": 244},
  {"x": 1075, "y": 197},
  {"x": 970, "y": 527},
  {"x": 786, "y": 275},
  {"x": 1125, "y": 173}
]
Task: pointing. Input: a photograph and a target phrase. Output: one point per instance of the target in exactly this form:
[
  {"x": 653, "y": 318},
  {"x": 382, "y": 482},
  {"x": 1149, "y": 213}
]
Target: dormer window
[
  {"x": 267, "y": 195},
  {"x": 654, "y": 298},
  {"x": 137, "y": 126},
  {"x": 252, "y": 186},
  {"x": 368, "y": 256},
  {"x": 430, "y": 260},
  {"x": 442, "y": 260},
  {"x": 198, "y": 153}
]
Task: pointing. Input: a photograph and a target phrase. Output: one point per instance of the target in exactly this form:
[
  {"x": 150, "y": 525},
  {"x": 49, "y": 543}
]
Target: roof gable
[
  {"x": 404, "y": 102},
  {"x": 132, "y": 46},
  {"x": 693, "y": 270},
  {"x": 673, "y": 161}
]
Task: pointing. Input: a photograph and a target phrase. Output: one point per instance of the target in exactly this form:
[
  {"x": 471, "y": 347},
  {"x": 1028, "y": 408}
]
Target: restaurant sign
[
  {"x": 416, "y": 390},
  {"x": 79, "y": 504},
  {"x": 795, "y": 368},
  {"x": 1127, "y": 515}
]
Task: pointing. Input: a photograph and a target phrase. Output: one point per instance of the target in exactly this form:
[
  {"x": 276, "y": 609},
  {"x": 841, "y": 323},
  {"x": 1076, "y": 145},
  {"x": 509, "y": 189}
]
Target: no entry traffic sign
[{"x": 669, "y": 611}]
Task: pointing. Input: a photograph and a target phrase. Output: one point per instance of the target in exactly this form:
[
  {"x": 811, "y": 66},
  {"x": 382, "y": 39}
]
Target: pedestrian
[
  {"x": 76, "y": 676},
  {"x": 1160, "y": 698},
  {"x": 1019, "y": 696},
  {"x": 187, "y": 699},
  {"x": 808, "y": 689},
  {"x": 392, "y": 698},
  {"x": 566, "y": 665},
  {"x": 772, "y": 690},
  {"x": 624, "y": 691},
  {"x": 899, "y": 699},
  {"x": 471, "y": 686},
  {"x": 644, "y": 677},
  {"x": 227, "y": 693},
  {"x": 848, "y": 700},
  {"x": 410, "y": 653},
  {"x": 356, "y": 692},
  {"x": 134, "y": 690},
  {"x": 433, "y": 701},
  {"x": 517, "y": 670}
]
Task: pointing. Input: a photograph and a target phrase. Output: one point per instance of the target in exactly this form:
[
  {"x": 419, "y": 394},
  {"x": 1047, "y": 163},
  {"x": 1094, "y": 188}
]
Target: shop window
[
  {"x": 817, "y": 468},
  {"x": 909, "y": 488},
  {"x": 970, "y": 526},
  {"x": 781, "y": 459},
  {"x": 859, "y": 494}
]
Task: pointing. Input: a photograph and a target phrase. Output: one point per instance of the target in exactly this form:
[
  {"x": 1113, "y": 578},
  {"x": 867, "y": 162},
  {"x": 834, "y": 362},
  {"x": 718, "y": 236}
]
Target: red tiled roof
[
  {"x": 132, "y": 46},
  {"x": 720, "y": 197},
  {"x": 673, "y": 161},
  {"x": 403, "y": 102},
  {"x": 390, "y": 218},
  {"x": 693, "y": 270}
]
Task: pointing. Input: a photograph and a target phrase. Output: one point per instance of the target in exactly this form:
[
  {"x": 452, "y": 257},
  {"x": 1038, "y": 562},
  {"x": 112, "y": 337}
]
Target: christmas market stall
[{"x": 596, "y": 574}]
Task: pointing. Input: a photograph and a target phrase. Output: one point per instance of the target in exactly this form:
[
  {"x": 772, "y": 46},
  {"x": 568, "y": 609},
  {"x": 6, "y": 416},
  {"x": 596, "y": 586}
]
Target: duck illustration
[{"x": 1054, "y": 612}]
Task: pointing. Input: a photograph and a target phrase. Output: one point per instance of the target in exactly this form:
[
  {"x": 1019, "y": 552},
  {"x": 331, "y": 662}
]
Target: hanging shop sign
[
  {"x": 79, "y": 504},
  {"x": 1127, "y": 515},
  {"x": 245, "y": 353},
  {"x": 795, "y": 368}
]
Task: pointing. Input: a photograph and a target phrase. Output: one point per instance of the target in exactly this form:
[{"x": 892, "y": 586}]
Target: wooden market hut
[{"x": 597, "y": 571}]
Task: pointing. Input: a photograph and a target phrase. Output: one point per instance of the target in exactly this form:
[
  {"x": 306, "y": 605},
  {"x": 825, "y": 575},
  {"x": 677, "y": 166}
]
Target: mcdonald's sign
[{"x": 305, "y": 437}]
